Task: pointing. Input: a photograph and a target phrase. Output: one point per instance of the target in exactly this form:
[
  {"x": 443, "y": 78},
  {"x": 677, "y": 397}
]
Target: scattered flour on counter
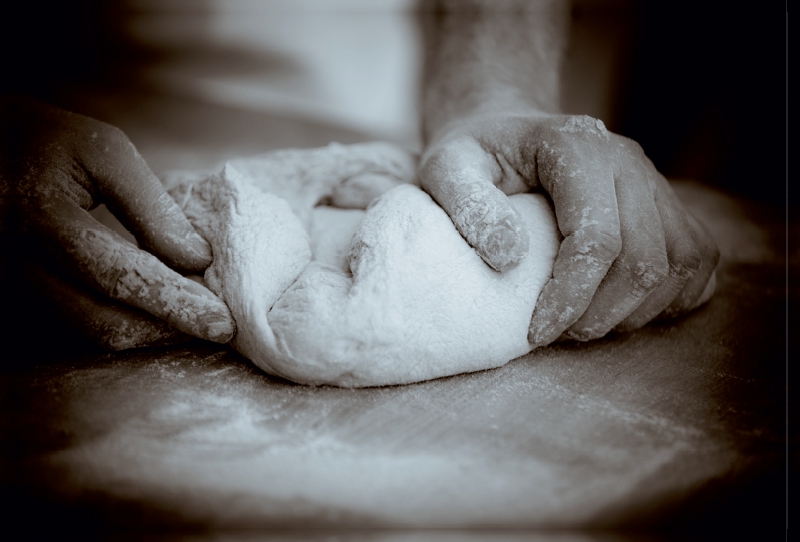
[{"x": 352, "y": 298}]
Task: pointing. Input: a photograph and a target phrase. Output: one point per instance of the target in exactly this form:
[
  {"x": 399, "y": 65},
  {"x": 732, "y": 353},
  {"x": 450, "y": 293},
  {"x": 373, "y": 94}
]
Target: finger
[
  {"x": 380, "y": 158},
  {"x": 583, "y": 193},
  {"x": 460, "y": 177},
  {"x": 138, "y": 199},
  {"x": 642, "y": 263},
  {"x": 99, "y": 320},
  {"x": 116, "y": 268},
  {"x": 357, "y": 192},
  {"x": 682, "y": 252},
  {"x": 700, "y": 287}
]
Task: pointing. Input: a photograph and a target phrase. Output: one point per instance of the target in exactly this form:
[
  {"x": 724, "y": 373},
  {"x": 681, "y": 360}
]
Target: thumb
[{"x": 460, "y": 176}]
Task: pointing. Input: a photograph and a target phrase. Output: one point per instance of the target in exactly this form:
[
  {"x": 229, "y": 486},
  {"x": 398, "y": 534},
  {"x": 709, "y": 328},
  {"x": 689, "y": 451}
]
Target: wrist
[
  {"x": 492, "y": 58},
  {"x": 465, "y": 120}
]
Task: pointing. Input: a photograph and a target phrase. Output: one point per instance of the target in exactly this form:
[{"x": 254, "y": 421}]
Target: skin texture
[
  {"x": 58, "y": 166},
  {"x": 630, "y": 252}
]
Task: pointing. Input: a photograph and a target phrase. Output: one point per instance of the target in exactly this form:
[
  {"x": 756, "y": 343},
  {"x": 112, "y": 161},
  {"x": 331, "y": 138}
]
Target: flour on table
[{"x": 390, "y": 295}]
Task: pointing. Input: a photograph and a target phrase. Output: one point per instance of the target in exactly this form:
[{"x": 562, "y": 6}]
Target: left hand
[
  {"x": 114, "y": 293},
  {"x": 630, "y": 250}
]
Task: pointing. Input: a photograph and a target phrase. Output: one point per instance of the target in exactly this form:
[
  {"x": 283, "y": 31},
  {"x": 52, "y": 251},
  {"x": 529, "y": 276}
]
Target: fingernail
[
  {"x": 535, "y": 334},
  {"x": 543, "y": 330},
  {"x": 219, "y": 327},
  {"x": 214, "y": 320},
  {"x": 505, "y": 246},
  {"x": 535, "y": 340},
  {"x": 200, "y": 248}
]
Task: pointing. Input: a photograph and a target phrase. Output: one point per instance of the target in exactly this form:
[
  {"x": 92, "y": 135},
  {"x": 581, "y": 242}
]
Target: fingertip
[
  {"x": 199, "y": 254},
  {"x": 214, "y": 321},
  {"x": 534, "y": 335},
  {"x": 169, "y": 233},
  {"x": 539, "y": 334},
  {"x": 461, "y": 178},
  {"x": 504, "y": 245},
  {"x": 218, "y": 327},
  {"x": 542, "y": 330},
  {"x": 487, "y": 220}
]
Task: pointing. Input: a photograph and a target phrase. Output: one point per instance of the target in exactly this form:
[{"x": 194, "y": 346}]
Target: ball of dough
[{"x": 390, "y": 295}]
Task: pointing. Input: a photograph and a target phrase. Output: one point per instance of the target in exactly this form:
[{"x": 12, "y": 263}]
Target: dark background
[{"x": 704, "y": 89}]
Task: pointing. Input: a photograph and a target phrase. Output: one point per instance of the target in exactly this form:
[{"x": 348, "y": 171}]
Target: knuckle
[
  {"x": 636, "y": 149},
  {"x": 122, "y": 338},
  {"x": 686, "y": 263},
  {"x": 583, "y": 124},
  {"x": 112, "y": 132},
  {"x": 112, "y": 137},
  {"x": 632, "y": 147},
  {"x": 136, "y": 332},
  {"x": 691, "y": 261},
  {"x": 99, "y": 257},
  {"x": 581, "y": 134},
  {"x": 604, "y": 244},
  {"x": 114, "y": 280},
  {"x": 646, "y": 275}
]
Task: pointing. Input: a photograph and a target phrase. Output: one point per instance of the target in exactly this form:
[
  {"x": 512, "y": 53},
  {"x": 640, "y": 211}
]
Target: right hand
[
  {"x": 630, "y": 251},
  {"x": 60, "y": 166}
]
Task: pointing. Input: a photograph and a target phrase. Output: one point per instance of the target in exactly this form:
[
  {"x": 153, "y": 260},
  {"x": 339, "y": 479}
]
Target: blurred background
[{"x": 703, "y": 90}]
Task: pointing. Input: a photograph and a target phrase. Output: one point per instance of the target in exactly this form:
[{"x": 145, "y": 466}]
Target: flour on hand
[{"x": 347, "y": 297}]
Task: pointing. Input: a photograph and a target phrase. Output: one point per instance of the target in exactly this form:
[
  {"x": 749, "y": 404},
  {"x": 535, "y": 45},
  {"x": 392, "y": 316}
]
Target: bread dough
[{"x": 352, "y": 298}]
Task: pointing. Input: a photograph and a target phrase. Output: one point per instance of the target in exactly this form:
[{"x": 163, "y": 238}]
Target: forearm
[{"x": 485, "y": 56}]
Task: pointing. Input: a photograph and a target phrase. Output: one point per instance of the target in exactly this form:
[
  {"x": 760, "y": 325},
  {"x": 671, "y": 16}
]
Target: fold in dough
[{"x": 390, "y": 295}]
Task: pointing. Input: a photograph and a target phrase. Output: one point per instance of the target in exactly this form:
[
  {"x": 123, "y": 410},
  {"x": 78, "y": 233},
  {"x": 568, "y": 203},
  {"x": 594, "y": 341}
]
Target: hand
[
  {"x": 630, "y": 250},
  {"x": 60, "y": 166}
]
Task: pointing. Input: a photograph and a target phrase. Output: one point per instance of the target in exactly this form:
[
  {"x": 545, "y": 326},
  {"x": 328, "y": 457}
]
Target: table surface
[{"x": 674, "y": 422}]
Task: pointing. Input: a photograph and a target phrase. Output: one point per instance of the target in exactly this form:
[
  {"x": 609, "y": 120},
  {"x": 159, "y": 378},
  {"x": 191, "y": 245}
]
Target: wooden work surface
[{"x": 667, "y": 424}]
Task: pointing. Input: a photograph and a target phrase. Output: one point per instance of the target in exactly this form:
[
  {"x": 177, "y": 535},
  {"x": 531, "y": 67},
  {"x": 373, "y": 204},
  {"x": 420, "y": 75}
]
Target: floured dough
[{"x": 391, "y": 295}]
